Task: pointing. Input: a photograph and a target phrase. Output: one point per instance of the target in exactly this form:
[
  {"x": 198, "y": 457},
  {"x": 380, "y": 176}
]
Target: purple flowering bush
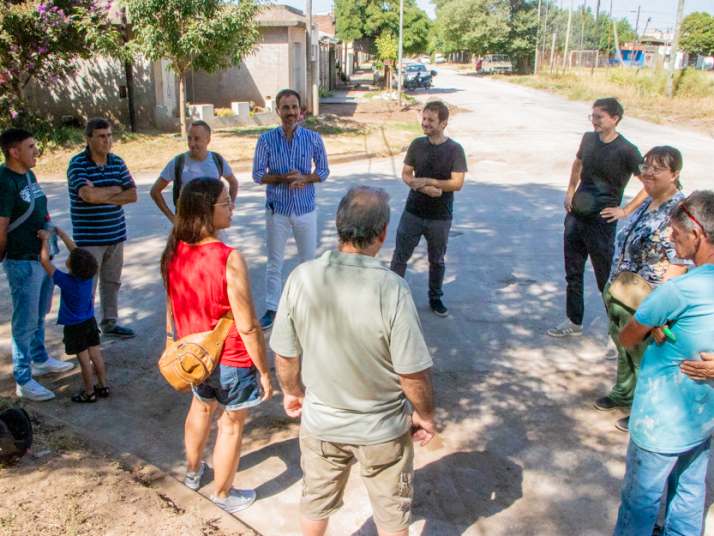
[{"x": 42, "y": 41}]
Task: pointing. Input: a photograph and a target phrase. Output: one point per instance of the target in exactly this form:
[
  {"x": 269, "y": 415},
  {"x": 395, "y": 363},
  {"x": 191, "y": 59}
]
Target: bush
[{"x": 693, "y": 83}]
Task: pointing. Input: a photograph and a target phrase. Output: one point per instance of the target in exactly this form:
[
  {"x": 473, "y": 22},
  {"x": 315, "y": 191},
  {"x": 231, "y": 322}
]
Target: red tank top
[{"x": 198, "y": 291}]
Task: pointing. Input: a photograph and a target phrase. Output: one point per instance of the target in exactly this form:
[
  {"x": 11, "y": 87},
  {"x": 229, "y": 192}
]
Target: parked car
[
  {"x": 496, "y": 63},
  {"x": 439, "y": 58},
  {"x": 416, "y": 75}
]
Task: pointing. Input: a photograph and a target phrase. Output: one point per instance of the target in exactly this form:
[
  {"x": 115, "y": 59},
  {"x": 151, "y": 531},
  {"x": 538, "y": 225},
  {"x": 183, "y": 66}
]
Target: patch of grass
[{"x": 641, "y": 91}]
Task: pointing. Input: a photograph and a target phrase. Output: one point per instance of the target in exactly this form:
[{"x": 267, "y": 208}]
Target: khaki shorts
[{"x": 387, "y": 470}]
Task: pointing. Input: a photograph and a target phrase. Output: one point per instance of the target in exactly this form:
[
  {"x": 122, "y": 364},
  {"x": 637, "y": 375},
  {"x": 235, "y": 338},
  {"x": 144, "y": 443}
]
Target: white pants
[{"x": 304, "y": 229}]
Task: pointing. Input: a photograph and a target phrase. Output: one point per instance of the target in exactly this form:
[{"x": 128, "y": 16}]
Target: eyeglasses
[
  {"x": 691, "y": 217},
  {"x": 644, "y": 168}
]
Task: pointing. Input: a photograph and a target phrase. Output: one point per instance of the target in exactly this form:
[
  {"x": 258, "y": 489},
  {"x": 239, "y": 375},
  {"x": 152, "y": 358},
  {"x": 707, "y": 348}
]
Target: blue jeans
[
  {"x": 31, "y": 293},
  {"x": 646, "y": 476}
]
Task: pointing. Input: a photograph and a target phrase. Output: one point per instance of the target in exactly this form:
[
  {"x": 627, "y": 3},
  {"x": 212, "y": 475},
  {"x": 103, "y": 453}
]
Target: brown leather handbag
[{"x": 191, "y": 359}]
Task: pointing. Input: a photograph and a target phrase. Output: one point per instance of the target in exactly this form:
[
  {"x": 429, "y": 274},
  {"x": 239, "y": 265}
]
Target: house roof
[{"x": 281, "y": 15}]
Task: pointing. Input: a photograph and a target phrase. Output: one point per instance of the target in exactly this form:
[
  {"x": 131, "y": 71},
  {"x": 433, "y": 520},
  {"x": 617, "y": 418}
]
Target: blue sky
[{"x": 662, "y": 12}]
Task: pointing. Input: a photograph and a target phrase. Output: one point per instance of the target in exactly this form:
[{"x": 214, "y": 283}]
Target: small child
[{"x": 76, "y": 314}]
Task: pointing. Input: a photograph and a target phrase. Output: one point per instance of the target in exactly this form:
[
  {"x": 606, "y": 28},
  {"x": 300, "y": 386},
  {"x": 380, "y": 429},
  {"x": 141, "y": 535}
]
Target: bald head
[{"x": 362, "y": 216}]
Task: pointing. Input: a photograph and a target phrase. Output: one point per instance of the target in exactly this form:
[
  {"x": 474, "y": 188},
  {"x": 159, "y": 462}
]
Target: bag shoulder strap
[
  {"x": 220, "y": 330},
  {"x": 218, "y": 159},
  {"x": 25, "y": 215},
  {"x": 178, "y": 172}
]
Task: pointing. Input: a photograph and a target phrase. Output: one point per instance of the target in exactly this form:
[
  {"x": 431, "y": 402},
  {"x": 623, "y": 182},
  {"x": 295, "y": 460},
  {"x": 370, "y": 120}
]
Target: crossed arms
[{"x": 432, "y": 187}]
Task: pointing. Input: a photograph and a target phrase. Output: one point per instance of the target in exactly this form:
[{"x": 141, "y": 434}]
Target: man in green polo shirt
[
  {"x": 352, "y": 325},
  {"x": 23, "y": 212}
]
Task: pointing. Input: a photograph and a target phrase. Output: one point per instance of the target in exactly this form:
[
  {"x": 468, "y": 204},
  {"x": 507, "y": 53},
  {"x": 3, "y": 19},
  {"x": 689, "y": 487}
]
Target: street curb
[{"x": 166, "y": 486}]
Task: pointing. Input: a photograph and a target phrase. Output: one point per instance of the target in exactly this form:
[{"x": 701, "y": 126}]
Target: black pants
[
  {"x": 410, "y": 230},
  {"x": 585, "y": 238}
]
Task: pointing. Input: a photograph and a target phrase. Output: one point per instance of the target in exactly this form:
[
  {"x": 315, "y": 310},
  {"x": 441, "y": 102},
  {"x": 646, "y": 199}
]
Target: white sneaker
[
  {"x": 237, "y": 500},
  {"x": 193, "y": 480},
  {"x": 33, "y": 390},
  {"x": 51, "y": 366},
  {"x": 611, "y": 350},
  {"x": 565, "y": 329}
]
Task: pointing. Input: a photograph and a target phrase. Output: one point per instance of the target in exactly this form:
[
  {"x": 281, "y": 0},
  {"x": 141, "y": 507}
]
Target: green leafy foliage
[
  {"x": 698, "y": 34},
  {"x": 368, "y": 19},
  {"x": 42, "y": 41},
  {"x": 511, "y": 27}
]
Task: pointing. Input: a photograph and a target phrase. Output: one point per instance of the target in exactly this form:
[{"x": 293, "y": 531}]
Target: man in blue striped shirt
[
  {"x": 284, "y": 159},
  {"x": 99, "y": 185}
]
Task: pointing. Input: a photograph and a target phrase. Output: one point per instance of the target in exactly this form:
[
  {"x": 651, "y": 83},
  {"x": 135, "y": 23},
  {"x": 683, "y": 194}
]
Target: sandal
[
  {"x": 101, "y": 391},
  {"x": 83, "y": 397}
]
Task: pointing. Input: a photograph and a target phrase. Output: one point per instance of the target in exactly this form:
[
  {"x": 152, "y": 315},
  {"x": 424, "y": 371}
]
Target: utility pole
[
  {"x": 674, "y": 50},
  {"x": 567, "y": 34},
  {"x": 597, "y": 38},
  {"x": 313, "y": 97},
  {"x": 545, "y": 31},
  {"x": 552, "y": 51},
  {"x": 399, "y": 55},
  {"x": 637, "y": 23},
  {"x": 535, "y": 63}
]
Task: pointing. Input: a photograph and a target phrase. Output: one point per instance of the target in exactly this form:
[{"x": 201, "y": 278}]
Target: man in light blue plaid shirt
[{"x": 289, "y": 160}]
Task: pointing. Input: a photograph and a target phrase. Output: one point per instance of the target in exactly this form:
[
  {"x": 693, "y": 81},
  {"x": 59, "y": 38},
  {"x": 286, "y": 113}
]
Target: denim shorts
[{"x": 233, "y": 387}]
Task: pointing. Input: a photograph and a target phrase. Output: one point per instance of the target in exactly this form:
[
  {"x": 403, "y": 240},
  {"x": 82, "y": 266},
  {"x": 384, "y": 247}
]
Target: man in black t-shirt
[
  {"x": 23, "y": 212},
  {"x": 602, "y": 168},
  {"x": 434, "y": 168}
]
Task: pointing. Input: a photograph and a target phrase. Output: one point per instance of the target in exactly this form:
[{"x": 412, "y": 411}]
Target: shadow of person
[
  {"x": 454, "y": 492},
  {"x": 287, "y": 454}
]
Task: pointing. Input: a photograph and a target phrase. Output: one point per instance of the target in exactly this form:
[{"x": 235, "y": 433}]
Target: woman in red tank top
[{"x": 204, "y": 280}]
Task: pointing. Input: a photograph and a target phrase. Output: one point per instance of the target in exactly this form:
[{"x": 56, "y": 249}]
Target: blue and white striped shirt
[
  {"x": 97, "y": 224},
  {"x": 275, "y": 155}
]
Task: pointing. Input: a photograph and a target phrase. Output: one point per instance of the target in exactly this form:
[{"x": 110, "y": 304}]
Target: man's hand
[
  {"x": 266, "y": 385},
  {"x": 699, "y": 370},
  {"x": 568, "y": 202},
  {"x": 297, "y": 180},
  {"x": 423, "y": 430},
  {"x": 293, "y": 405},
  {"x": 612, "y": 214},
  {"x": 658, "y": 335},
  {"x": 431, "y": 191},
  {"x": 418, "y": 184}
]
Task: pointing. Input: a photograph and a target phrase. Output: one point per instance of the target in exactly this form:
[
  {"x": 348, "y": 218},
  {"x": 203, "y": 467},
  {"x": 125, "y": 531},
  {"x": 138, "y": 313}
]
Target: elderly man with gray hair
[{"x": 365, "y": 369}]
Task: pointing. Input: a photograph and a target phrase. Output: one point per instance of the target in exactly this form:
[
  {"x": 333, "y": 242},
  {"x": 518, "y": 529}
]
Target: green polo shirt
[
  {"x": 355, "y": 325},
  {"x": 15, "y": 197}
]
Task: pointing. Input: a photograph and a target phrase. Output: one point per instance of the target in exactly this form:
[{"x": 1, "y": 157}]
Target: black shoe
[
  {"x": 606, "y": 403},
  {"x": 266, "y": 322},
  {"x": 110, "y": 328},
  {"x": 623, "y": 424},
  {"x": 438, "y": 307}
]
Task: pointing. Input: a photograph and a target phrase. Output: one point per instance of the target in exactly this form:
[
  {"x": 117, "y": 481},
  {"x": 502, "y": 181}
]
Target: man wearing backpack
[
  {"x": 198, "y": 162},
  {"x": 23, "y": 212}
]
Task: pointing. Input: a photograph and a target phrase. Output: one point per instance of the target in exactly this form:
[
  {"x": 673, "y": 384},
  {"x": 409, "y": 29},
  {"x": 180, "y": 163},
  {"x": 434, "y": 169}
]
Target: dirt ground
[{"x": 67, "y": 487}]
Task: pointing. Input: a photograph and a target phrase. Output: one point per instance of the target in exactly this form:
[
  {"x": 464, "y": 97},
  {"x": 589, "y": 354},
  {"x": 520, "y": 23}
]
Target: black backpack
[
  {"x": 178, "y": 170},
  {"x": 15, "y": 434}
]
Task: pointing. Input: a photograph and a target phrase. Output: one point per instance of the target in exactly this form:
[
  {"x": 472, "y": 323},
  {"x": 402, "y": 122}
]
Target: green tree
[
  {"x": 369, "y": 19},
  {"x": 698, "y": 34},
  {"x": 42, "y": 41},
  {"x": 387, "y": 46},
  {"x": 476, "y": 26},
  {"x": 193, "y": 34}
]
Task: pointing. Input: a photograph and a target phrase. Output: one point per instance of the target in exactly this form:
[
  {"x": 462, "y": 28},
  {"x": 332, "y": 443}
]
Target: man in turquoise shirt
[{"x": 673, "y": 414}]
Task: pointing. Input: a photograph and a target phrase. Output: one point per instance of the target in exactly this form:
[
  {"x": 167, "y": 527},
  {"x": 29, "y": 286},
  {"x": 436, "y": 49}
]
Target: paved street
[{"x": 524, "y": 451}]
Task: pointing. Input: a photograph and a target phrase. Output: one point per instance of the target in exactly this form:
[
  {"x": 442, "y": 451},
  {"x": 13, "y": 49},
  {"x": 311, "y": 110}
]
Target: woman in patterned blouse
[{"x": 643, "y": 246}]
